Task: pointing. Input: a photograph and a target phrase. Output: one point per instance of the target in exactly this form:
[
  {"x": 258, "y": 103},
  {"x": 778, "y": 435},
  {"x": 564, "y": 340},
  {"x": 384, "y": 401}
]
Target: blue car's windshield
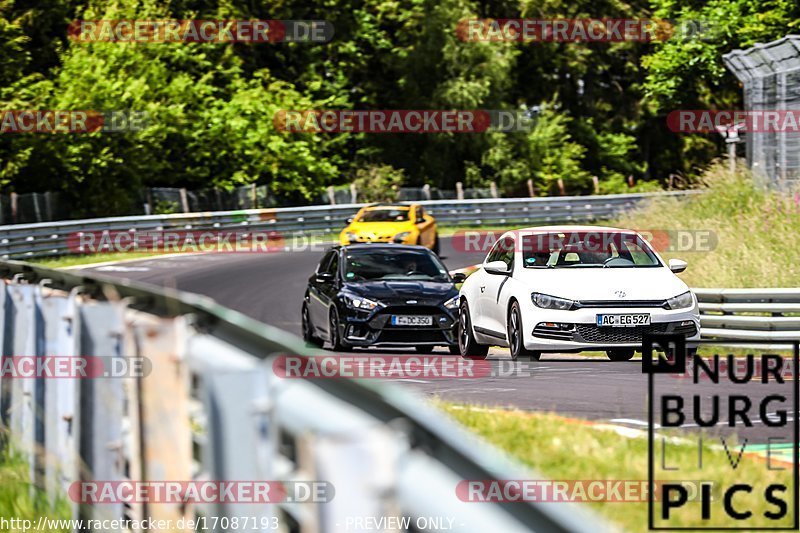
[{"x": 386, "y": 264}]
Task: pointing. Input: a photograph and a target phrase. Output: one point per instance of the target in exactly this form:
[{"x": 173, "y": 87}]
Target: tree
[
  {"x": 208, "y": 125},
  {"x": 546, "y": 154}
]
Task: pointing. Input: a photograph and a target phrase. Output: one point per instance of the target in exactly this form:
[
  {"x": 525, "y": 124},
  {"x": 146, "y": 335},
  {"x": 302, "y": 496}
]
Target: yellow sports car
[{"x": 401, "y": 224}]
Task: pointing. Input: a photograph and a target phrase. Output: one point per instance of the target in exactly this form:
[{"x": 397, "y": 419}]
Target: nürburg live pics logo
[{"x": 729, "y": 415}]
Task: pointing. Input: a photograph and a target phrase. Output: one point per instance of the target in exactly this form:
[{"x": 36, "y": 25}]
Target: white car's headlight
[
  {"x": 682, "y": 301},
  {"x": 400, "y": 237},
  {"x": 452, "y": 303},
  {"x": 359, "y": 302},
  {"x": 545, "y": 301}
]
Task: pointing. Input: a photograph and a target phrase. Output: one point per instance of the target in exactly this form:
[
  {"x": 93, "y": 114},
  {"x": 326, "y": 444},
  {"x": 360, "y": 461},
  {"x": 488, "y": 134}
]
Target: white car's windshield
[
  {"x": 586, "y": 250},
  {"x": 382, "y": 264}
]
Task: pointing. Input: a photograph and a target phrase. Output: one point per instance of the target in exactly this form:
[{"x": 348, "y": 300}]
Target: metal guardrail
[
  {"x": 750, "y": 314},
  {"x": 50, "y": 239},
  {"x": 212, "y": 408}
]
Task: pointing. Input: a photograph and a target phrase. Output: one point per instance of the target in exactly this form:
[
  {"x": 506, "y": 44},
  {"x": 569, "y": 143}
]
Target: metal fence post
[
  {"x": 426, "y": 191},
  {"x": 101, "y": 414},
  {"x": 24, "y": 341},
  {"x": 14, "y": 200},
  {"x": 166, "y": 438},
  {"x": 184, "y": 200}
]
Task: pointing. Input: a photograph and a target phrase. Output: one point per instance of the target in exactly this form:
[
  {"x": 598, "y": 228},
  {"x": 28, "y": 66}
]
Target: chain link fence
[
  {"x": 53, "y": 206},
  {"x": 168, "y": 200},
  {"x": 32, "y": 207},
  {"x": 345, "y": 195},
  {"x": 770, "y": 74}
]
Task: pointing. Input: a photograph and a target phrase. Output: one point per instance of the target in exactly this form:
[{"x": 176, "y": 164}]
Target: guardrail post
[
  {"x": 166, "y": 437},
  {"x": 102, "y": 415},
  {"x": 493, "y": 189},
  {"x": 24, "y": 340},
  {"x": 237, "y": 431},
  {"x": 59, "y": 449},
  {"x": 459, "y": 190},
  {"x": 331, "y": 195},
  {"x": 353, "y": 193}
]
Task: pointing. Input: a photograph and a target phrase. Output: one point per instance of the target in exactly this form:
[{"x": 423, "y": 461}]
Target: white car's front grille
[
  {"x": 593, "y": 333},
  {"x": 622, "y": 303},
  {"x": 590, "y": 333}
]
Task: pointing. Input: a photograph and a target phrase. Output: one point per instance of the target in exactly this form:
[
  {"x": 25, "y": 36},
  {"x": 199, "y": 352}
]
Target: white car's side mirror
[
  {"x": 496, "y": 267},
  {"x": 677, "y": 265}
]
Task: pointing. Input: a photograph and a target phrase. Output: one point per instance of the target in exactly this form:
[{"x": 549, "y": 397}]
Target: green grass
[
  {"x": 565, "y": 449},
  {"x": 449, "y": 231},
  {"x": 758, "y": 232},
  {"x": 20, "y": 499},
  {"x": 77, "y": 260}
]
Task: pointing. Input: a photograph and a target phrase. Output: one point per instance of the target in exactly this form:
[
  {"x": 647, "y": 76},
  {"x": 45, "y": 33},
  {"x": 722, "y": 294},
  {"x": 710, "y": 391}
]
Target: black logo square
[{"x": 675, "y": 347}]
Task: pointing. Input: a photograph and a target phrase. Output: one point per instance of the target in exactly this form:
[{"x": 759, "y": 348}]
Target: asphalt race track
[
  {"x": 266, "y": 286},
  {"x": 269, "y": 287}
]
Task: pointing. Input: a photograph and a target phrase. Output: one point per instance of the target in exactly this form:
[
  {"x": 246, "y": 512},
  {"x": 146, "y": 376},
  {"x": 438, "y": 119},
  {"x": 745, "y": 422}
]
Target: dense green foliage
[{"x": 600, "y": 107}]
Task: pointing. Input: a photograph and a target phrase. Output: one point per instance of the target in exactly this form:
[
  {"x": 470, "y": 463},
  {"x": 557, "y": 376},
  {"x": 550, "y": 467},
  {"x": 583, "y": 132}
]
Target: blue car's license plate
[{"x": 412, "y": 320}]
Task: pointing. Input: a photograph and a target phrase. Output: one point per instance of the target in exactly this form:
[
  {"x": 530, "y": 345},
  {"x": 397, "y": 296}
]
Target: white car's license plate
[
  {"x": 412, "y": 320},
  {"x": 624, "y": 321}
]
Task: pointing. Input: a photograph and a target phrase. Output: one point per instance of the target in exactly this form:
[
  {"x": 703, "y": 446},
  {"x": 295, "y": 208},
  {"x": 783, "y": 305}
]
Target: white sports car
[{"x": 571, "y": 289}]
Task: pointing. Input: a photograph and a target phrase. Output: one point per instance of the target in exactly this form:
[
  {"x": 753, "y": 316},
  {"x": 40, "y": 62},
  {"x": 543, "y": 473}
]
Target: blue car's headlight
[
  {"x": 452, "y": 303},
  {"x": 682, "y": 301},
  {"x": 359, "y": 302},
  {"x": 545, "y": 301}
]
